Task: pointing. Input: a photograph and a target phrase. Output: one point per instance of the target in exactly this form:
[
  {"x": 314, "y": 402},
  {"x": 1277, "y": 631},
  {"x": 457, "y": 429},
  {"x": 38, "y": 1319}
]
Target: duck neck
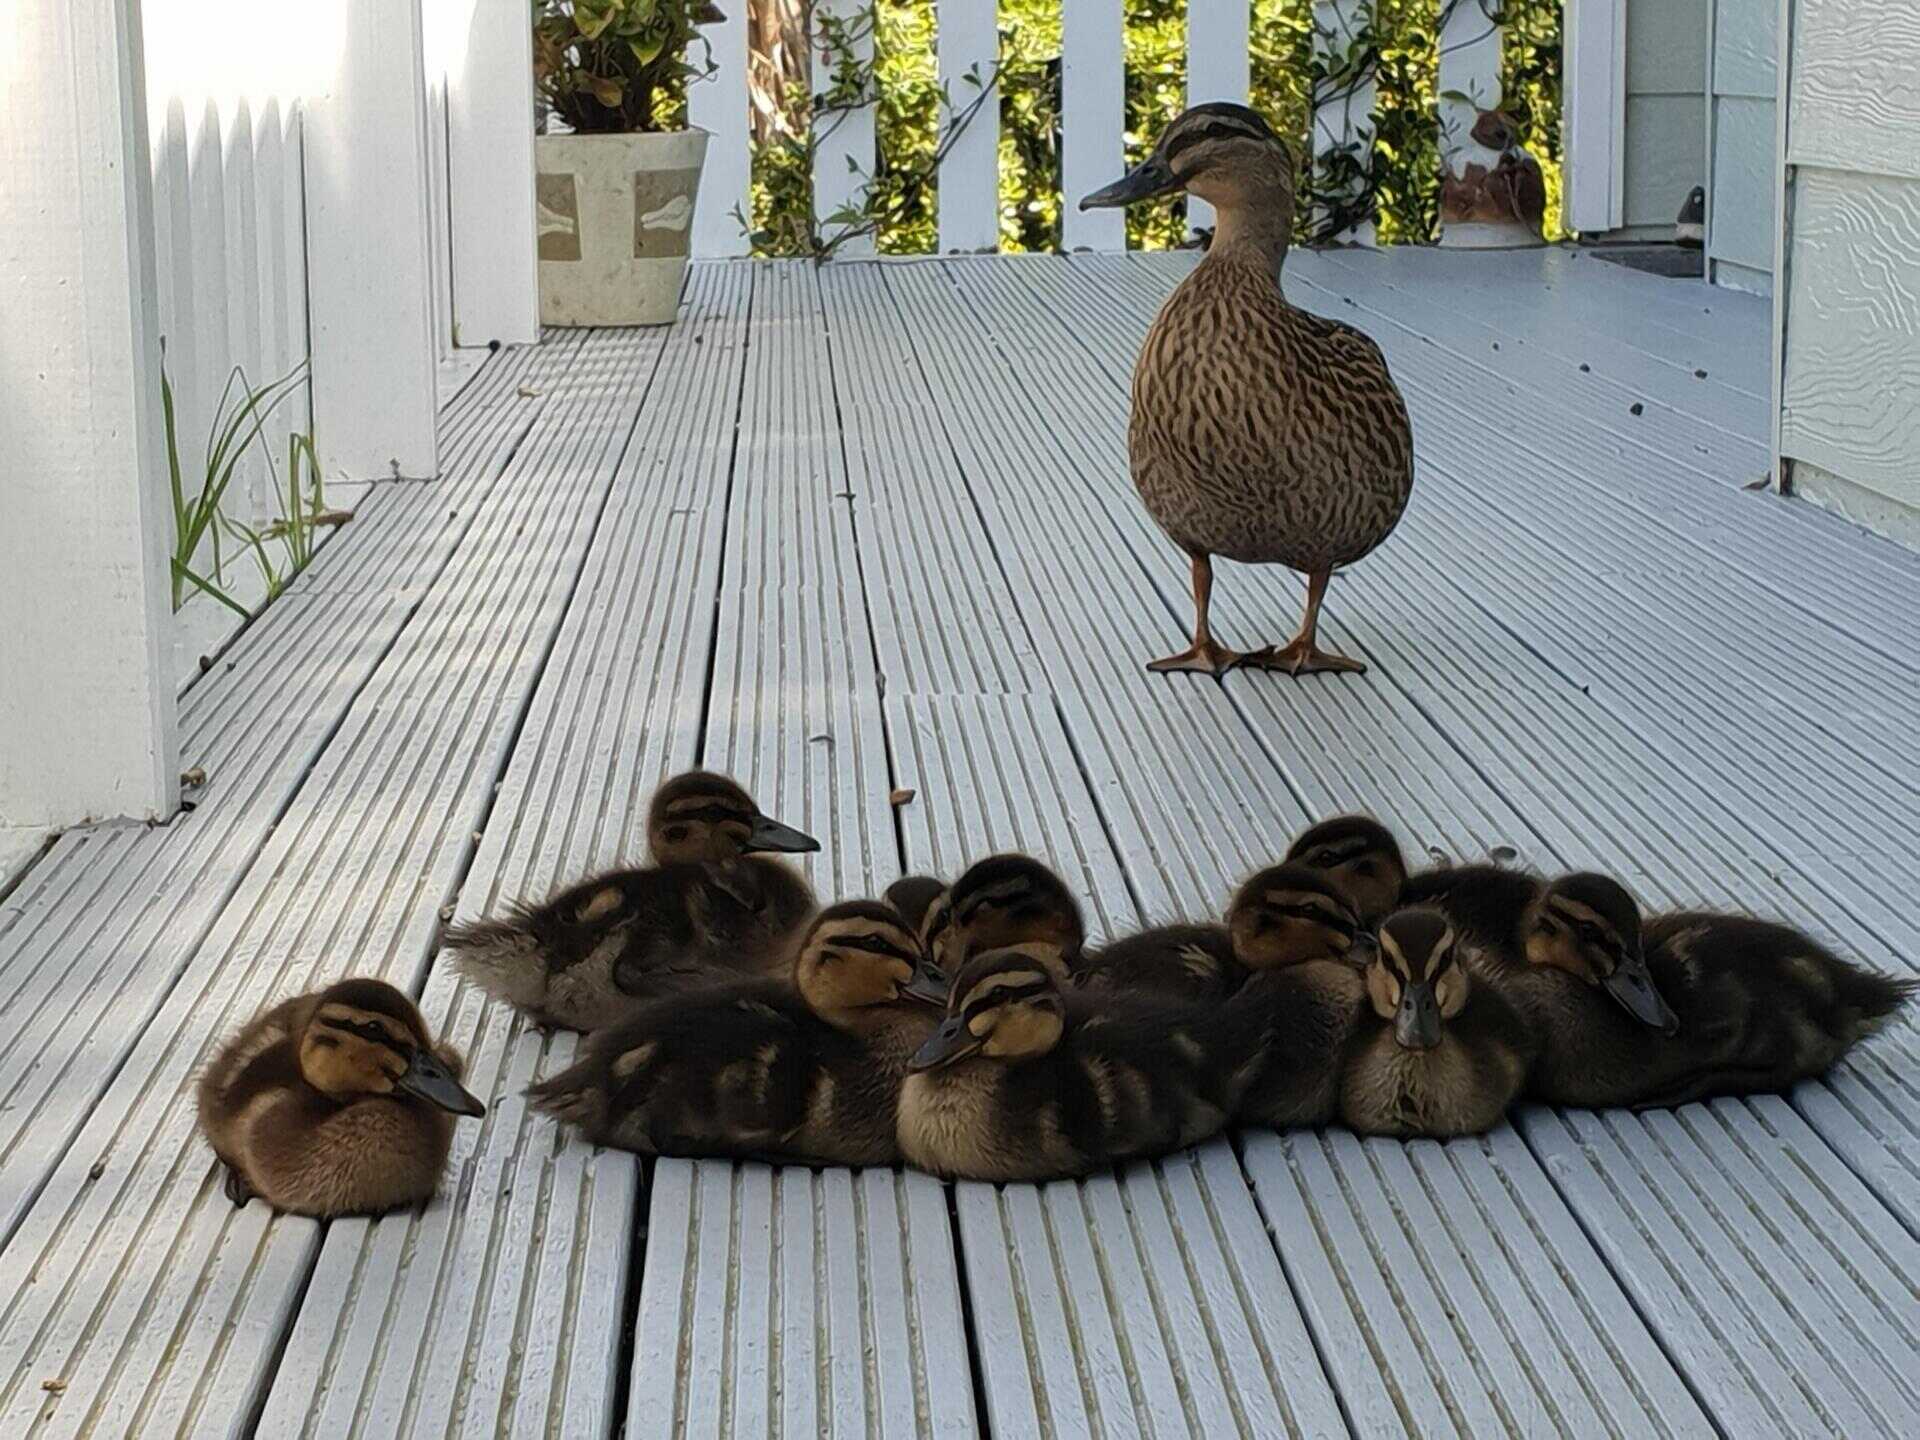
[{"x": 1252, "y": 235}]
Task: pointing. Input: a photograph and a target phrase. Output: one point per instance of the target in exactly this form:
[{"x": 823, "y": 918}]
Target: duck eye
[{"x": 676, "y": 832}]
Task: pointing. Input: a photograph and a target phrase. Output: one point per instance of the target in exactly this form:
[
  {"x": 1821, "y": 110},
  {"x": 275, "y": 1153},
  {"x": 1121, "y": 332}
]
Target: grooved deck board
[
  {"x": 870, "y": 526},
  {"x": 492, "y": 1313},
  {"x": 131, "y": 1278}
]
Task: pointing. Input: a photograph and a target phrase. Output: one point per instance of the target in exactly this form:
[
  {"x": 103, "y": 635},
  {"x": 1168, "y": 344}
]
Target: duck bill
[
  {"x": 1151, "y": 177},
  {"x": 928, "y": 986},
  {"x": 430, "y": 1079},
  {"x": 1632, "y": 985},
  {"x": 951, "y": 1042},
  {"x": 768, "y": 834},
  {"x": 1417, "y": 1025}
]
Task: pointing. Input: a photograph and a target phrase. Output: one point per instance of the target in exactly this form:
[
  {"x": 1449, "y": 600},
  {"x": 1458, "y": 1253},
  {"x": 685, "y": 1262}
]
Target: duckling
[
  {"x": 1001, "y": 901},
  {"x": 1300, "y": 941},
  {"x": 1750, "y": 1006},
  {"x": 708, "y": 908},
  {"x": 1026, "y": 1079},
  {"x": 1259, "y": 432},
  {"x": 914, "y": 896},
  {"x": 1283, "y": 915},
  {"x": 806, "y": 1072},
  {"x": 1439, "y": 1055},
  {"x": 335, "y": 1102},
  {"x": 1363, "y": 859}
]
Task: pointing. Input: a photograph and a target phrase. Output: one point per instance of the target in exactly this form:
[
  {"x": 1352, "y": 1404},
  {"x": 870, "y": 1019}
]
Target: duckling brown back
[
  {"x": 335, "y": 1102},
  {"x": 1761, "y": 1006},
  {"x": 806, "y": 1071},
  {"x": 1028, "y": 1080},
  {"x": 711, "y": 908}
]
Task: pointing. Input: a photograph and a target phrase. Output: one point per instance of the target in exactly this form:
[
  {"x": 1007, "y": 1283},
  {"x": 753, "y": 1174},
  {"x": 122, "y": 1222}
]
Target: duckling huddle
[{"x": 968, "y": 1028}]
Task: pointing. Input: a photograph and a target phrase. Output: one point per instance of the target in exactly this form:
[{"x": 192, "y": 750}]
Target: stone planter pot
[{"x": 616, "y": 225}]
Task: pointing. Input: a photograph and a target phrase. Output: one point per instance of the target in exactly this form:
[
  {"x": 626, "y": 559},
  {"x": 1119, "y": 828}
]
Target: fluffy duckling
[
  {"x": 1286, "y": 914},
  {"x": 1260, "y": 431},
  {"x": 807, "y": 1072},
  {"x": 1363, "y": 859},
  {"x": 336, "y": 1102},
  {"x": 1750, "y": 1006},
  {"x": 1028, "y": 1080},
  {"x": 914, "y": 896},
  {"x": 1001, "y": 901},
  {"x": 1439, "y": 1055},
  {"x": 708, "y": 908}
]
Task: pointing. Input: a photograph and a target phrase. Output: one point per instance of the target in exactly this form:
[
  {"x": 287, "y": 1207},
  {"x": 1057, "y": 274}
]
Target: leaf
[
  {"x": 647, "y": 48},
  {"x": 608, "y": 92}
]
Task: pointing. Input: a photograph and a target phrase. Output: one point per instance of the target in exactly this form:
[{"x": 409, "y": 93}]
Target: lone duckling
[
  {"x": 1285, "y": 915},
  {"x": 1260, "y": 432},
  {"x": 1361, "y": 857},
  {"x": 1751, "y": 1006},
  {"x": 708, "y": 908},
  {"x": 1439, "y": 1055},
  {"x": 1001, "y": 901},
  {"x": 1028, "y": 1080},
  {"x": 807, "y": 1072},
  {"x": 336, "y": 1102}
]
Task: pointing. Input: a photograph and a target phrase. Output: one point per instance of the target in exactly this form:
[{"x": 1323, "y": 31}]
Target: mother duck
[{"x": 1260, "y": 432}]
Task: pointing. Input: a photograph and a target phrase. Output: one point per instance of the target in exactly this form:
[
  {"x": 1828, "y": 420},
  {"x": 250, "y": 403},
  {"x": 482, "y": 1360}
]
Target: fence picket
[
  {"x": 1218, "y": 68},
  {"x": 843, "y": 159},
  {"x": 1093, "y": 78},
  {"x": 969, "y": 179},
  {"x": 718, "y": 105}
]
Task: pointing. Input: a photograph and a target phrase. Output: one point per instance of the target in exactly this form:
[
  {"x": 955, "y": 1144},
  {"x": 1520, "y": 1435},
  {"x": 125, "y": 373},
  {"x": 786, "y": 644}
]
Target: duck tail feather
[{"x": 503, "y": 957}]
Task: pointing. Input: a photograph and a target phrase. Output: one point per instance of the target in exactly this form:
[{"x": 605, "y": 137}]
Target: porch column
[
  {"x": 87, "y": 707},
  {"x": 369, "y": 296}
]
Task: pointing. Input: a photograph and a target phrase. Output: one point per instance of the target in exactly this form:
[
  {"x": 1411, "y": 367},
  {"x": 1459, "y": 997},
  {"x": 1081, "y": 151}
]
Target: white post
[
  {"x": 1218, "y": 68},
  {"x": 1594, "y": 117},
  {"x": 368, "y": 279},
  {"x": 718, "y": 104},
  {"x": 1483, "y": 198},
  {"x": 969, "y": 180},
  {"x": 1344, "y": 42},
  {"x": 496, "y": 273},
  {"x": 1093, "y": 121},
  {"x": 844, "y": 158},
  {"x": 86, "y": 685}
]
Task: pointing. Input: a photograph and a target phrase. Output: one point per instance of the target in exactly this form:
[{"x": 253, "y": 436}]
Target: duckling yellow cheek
[{"x": 1383, "y": 989}]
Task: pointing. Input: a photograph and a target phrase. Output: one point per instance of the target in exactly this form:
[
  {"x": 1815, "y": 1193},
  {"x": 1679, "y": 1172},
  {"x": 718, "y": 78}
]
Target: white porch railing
[{"x": 1092, "y": 121}]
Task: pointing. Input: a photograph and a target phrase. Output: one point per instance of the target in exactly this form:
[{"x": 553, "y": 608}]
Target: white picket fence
[
  {"x": 1093, "y": 113},
  {"x": 231, "y": 260}
]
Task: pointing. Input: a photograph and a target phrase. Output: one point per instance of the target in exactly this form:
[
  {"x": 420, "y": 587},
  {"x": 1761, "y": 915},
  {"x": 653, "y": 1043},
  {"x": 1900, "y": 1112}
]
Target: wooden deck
[{"x": 868, "y": 527}]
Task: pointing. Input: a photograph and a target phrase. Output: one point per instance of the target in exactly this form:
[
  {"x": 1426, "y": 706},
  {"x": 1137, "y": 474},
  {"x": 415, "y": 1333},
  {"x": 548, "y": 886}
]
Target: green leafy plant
[
  {"x": 283, "y": 547},
  {"x": 619, "y": 66}
]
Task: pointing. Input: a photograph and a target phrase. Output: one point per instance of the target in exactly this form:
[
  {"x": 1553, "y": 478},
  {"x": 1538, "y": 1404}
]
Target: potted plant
[{"x": 616, "y": 195}]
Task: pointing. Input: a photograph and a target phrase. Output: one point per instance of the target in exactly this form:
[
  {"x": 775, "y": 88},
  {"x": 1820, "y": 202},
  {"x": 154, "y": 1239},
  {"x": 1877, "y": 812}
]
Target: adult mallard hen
[{"x": 1260, "y": 432}]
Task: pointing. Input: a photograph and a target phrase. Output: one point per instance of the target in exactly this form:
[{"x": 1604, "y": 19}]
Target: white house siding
[
  {"x": 1850, "y": 317},
  {"x": 1666, "y": 111},
  {"x": 1743, "y": 197}
]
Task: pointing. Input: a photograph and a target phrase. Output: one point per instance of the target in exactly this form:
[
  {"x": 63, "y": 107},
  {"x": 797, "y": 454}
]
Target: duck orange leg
[
  {"x": 1203, "y": 654},
  {"x": 1300, "y": 656}
]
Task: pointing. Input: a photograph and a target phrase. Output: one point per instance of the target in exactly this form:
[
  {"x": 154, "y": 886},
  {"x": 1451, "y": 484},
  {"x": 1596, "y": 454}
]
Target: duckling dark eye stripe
[
  {"x": 1316, "y": 916},
  {"x": 1008, "y": 892},
  {"x": 875, "y": 945},
  {"x": 366, "y": 1030},
  {"x": 1005, "y": 995}
]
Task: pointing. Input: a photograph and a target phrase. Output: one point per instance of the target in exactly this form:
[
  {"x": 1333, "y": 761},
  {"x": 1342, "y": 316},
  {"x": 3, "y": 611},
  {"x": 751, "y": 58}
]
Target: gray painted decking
[{"x": 870, "y": 527}]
